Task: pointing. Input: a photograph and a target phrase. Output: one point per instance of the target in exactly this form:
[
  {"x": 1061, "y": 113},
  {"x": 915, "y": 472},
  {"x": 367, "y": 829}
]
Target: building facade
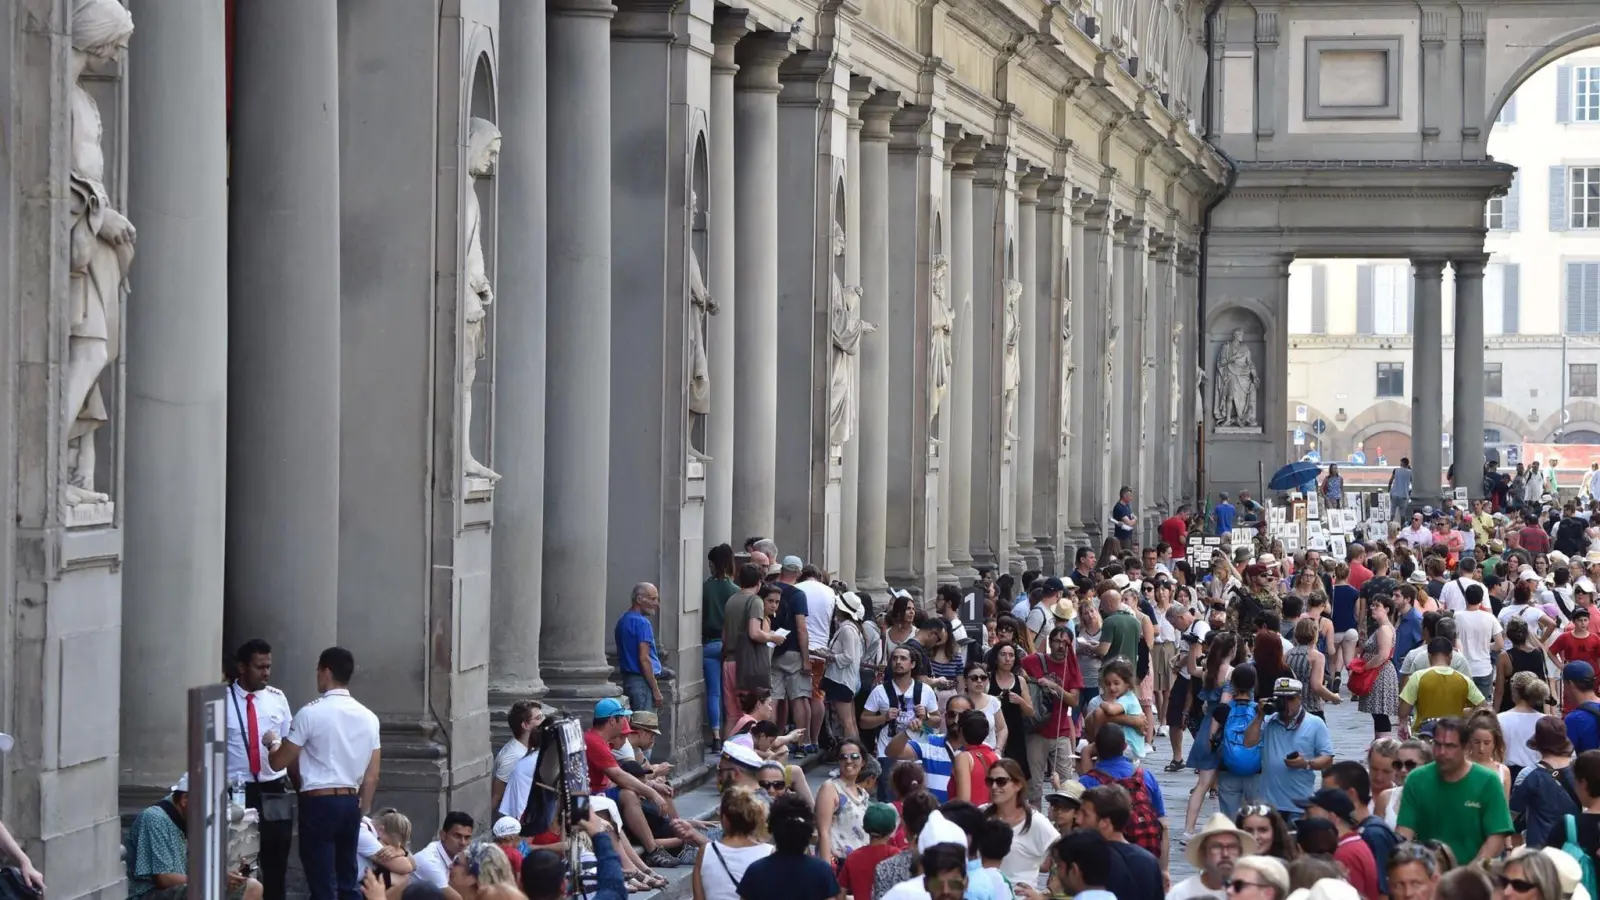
[
  {"x": 447, "y": 321},
  {"x": 1351, "y": 321}
]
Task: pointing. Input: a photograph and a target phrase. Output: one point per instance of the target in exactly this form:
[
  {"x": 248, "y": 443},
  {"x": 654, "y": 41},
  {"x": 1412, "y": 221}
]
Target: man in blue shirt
[
  {"x": 1294, "y": 748},
  {"x": 1122, "y": 518},
  {"x": 1224, "y": 514},
  {"x": 1408, "y": 624},
  {"x": 636, "y": 649},
  {"x": 1583, "y": 723},
  {"x": 936, "y": 752},
  {"x": 1111, "y": 765}
]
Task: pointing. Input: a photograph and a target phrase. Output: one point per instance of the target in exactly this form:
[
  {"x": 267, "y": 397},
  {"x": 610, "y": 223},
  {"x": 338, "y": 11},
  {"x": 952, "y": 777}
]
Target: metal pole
[{"x": 208, "y": 793}]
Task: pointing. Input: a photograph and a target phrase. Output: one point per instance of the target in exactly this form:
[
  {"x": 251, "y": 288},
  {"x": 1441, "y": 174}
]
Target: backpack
[
  {"x": 1044, "y": 702},
  {"x": 1591, "y": 882},
  {"x": 917, "y": 697},
  {"x": 1144, "y": 827},
  {"x": 1238, "y": 759}
]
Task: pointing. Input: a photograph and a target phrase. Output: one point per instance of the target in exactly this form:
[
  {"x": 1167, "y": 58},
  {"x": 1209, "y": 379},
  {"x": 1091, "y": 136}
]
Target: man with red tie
[{"x": 255, "y": 708}]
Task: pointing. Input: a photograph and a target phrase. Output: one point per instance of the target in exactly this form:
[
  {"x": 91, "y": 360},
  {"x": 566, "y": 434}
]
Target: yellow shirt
[
  {"x": 1483, "y": 527},
  {"x": 1439, "y": 692}
]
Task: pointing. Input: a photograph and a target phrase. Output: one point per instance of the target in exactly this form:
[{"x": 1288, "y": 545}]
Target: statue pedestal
[
  {"x": 933, "y": 574},
  {"x": 832, "y": 503},
  {"x": 86, "y": 515},
  {"x": 1237, "y": 429},
  {"x": 1007, "y": 557},
  {"x": 475, "y": 488}
]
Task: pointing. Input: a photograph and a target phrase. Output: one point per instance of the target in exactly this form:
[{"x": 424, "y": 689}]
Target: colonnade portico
[{"x": 640, "y": 279}]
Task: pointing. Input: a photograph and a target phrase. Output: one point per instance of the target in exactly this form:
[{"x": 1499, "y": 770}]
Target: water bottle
[{"x": 236, "y": 792}]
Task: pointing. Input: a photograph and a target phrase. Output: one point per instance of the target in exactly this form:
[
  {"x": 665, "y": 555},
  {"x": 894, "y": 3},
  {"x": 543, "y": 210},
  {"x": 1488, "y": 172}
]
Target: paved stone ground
[{"x": 1351, "y": 731}]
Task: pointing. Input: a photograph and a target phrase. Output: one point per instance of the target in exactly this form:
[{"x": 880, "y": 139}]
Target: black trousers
[{"x": 275, "y": 838}]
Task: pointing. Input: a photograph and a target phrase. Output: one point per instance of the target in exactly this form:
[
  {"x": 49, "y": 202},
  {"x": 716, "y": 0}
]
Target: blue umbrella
[{"x": 1296, "y": 476}]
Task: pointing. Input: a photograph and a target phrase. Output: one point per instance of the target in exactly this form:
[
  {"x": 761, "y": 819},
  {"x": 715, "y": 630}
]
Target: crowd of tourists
[{"x": 998, "y": 742}]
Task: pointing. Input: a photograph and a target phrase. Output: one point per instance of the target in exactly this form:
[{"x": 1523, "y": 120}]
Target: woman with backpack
[
  {"x": 1203, "y": 753},
  {"x": 1239, "y": 769},
  {"x": 1546, "y": 793}
]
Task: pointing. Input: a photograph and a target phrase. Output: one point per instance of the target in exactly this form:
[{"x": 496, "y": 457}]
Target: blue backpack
[
  {"x": 1238, "y": 759},
  {"x": 1585, "y": 861}
]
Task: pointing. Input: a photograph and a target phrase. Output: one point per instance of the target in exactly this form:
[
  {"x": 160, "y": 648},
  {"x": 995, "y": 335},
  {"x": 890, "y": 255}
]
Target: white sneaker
[{"x": 1161, "y": 731}]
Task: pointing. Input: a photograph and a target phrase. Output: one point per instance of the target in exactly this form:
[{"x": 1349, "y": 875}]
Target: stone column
[
  {"x": 284, "y": 337},
  {"x": 755, "y": 175},
  {"x": 1158, "y": 501},
  {"x": 960, "y": 400},
  {"x": 873, "y": 433},
  {"x": 516, "y": 611},
  {"x": 1188, "y": 379},
  {"x": 992, "y": 266},
  {"x": 1085, "y": 372},
  {"x": 177, "y": 394},
  {"x": 849, "y": 496},
  {"x": 1026, "y": 555},
  {"x": 1049, "y": 459},
  {"x": 1427, "y": 382},
  {"x": 1468, "y": 413},
  {"x": 577, "y": 441},
  {"x": 1098, "y": 362},
  {"x": 1131, "y": 373},
  {"x": 722, "y": 424}
]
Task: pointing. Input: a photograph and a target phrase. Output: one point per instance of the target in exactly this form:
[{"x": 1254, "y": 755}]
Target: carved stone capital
[
  {"x": 1029, "y": 180},
  {"x": 758, "y": 56},
  {"x": 878, "y": 114},
  {"x": 730, "y": 26}
]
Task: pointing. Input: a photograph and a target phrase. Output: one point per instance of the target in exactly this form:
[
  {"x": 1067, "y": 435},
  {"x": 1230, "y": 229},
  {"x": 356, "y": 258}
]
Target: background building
[{"x": 1351, "y": 320}]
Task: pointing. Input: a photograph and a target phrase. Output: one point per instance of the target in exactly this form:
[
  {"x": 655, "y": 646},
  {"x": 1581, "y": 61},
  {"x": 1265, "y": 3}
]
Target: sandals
[{"x": 1175, "y": 766}]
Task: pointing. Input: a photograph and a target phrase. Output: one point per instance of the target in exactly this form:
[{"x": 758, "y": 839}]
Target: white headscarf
[{"x": 99, "y": 23}]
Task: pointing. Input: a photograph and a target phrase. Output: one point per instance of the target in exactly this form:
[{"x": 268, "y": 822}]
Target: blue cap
[
  {"x": 609, "y": 708},
  {"x": 1577, "y": 670}
]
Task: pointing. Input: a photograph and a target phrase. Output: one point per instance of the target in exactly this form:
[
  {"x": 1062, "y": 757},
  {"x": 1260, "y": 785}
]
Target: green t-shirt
[
  {"x": 155, "y": 847},
  {"x": 1121, "y": 630},
  {"x": 1462, "y": 814},
  {"x": 714, "y": 596}
]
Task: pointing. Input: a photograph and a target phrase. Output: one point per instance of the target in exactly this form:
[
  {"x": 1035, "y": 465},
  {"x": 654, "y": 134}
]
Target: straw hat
[
  {"x": 1218, "y": 824},
  {"x": 852, "y": 606}
]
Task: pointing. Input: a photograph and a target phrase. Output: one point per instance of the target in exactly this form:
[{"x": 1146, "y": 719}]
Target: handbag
[{"x": 1363, "y": 679}]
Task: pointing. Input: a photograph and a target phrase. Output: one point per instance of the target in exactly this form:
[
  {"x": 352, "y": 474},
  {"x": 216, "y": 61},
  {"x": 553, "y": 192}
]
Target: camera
[{"x": 1268, "y": 707}]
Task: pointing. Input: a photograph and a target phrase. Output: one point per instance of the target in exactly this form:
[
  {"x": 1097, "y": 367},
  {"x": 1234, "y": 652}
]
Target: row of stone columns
[{"x": 1427, "y": 380}]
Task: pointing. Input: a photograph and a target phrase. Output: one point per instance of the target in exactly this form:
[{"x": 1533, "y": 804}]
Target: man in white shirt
[
  {"x": 434, "y": 860},
  {"x": 335, "y": 741},
  {"x": 820, "y": 600},
  {"x": 1452, "y": 596},
  {"x": 1478, "y": 632},
  {"x": 518, "y": 785},
  {"x": 524, "y": 719},
  {"x": 255, "y": 708},
  {"x": 1417, "y": 533}
]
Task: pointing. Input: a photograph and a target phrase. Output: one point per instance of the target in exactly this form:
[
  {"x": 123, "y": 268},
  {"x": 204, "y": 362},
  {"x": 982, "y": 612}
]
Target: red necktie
[{"x": 253, "y": 743}]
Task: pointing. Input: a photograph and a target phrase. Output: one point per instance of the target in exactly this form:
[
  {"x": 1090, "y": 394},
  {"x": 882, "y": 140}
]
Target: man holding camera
[{"x": 1294, "y": 747}]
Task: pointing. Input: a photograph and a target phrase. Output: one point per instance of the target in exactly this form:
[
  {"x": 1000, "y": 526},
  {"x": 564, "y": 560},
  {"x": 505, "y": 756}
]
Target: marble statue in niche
[
  {"x": 1011, "y": 332},
  {"x": 1175, "y": 386},
  {"x": 1110, "y": 383},
  {"x": 701, "y": 306},
  {"x": 483, "y": 150},
  {"x": 1144, "y": 400},
  {"x": 940, "y": 350},
  {"x": 100, "y": 252},
  {"x": 1068, "y": 367},
  {"x": 1236, "y": 385},
  {"x": 845, "y": 328}
]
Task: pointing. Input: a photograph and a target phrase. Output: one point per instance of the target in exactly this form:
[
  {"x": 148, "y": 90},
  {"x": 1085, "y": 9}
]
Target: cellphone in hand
[{"x": 1294, "y": 755}]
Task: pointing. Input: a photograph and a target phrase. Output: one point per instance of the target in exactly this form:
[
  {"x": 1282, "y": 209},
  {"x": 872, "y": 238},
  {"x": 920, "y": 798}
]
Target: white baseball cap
[{"x": 506, "y": 826}]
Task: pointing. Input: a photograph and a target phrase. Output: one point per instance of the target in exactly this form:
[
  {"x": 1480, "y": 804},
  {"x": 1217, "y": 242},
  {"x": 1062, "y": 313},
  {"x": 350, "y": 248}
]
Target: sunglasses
[
  {"x": 850, "y": 756},
  {"x": 772, "y": 785},
  {"x": 997, "y": 781},
  {"x": 1516, "y": 884},
  {"x": 977, "y": 678},
  {"x": 1238, "y": 885},
  {"x": 1406, "y": 765}
]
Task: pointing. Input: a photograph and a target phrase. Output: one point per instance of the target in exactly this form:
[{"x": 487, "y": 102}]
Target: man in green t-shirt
[
  {"x": 1119, "y": 632},
  {"x": 1453, "y": 801}
]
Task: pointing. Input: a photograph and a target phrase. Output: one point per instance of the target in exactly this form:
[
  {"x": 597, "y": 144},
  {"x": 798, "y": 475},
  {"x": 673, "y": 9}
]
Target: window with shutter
[
  {"x": 1558, "y": 198},
  {"x": 1508, "y": 113},
  {"x": 1391, "y": 298},
  {"x": 1364, "y": 311},
  {"x": 1512, "y": 203},
  {"x": 1564, "y": 93},
  {"x": 1583, "y": 298},
  {"x": 1581, "y": 380},
  {"x": 1319, "y": 299},
  {"x": 1492, "y": 379},
  {"x": 1583, "y": 205},
  {"x": 1493, "y": 298},
  {"x": 1586, "y": 94},
  {"x": 1494, "y": 214},
  {"x": 1510, "y": 298},
  {"x": 1300, "y": 300}
]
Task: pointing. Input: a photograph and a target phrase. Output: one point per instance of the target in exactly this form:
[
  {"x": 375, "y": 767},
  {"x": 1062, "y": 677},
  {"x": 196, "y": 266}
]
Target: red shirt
[
  {"x": 1360, "y": 869},
  {"x": 1359, "y": 575},
  {"x": 1066, "y": 671},
  {"x": 598, "y": 751},
  {"x": 515, "y": 857},
  {"x": 1572, "y": 648},
  {"x": 861, "y": 867},
  {"x": 1175, "y": 532},
  {"x": 1534, "y": 539}
]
